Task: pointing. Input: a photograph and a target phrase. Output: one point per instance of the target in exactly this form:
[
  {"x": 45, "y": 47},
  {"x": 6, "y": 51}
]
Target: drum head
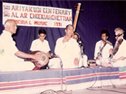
[{"x": 42, "y": 61}]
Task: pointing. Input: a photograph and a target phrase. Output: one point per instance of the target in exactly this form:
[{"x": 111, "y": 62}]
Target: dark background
[{"x": 94, "y": 16}]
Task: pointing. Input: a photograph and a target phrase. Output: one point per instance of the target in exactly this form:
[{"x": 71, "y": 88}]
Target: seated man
[
  {"x": 41, "y": 44},
  {"x": 119, "y": 54},
  {"x": 83, "y": 57},
  {"x": 10, "y": 56},
  {"x": 102, "y": 50},
  {"x": 67, "y": 49}
]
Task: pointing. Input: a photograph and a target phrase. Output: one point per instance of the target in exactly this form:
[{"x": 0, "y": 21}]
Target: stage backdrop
[{"x": 94, "y": 16}]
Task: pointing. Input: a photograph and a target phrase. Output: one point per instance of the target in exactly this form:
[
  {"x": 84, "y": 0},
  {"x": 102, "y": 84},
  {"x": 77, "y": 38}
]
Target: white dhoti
[
  {"x": 69, "y": 63},
  {"x": 11, "y": 65},
  {"x": 105, "y": 62},
  {"x": 20, "y": 66},
  {"x": 54, "y": 63},
  {"x": 119, "y": 63}
]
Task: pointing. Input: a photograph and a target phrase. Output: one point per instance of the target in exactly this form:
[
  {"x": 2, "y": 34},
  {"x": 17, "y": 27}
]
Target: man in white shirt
[
  {"x": 102, "y": 49},
  {"x": 119, "y": 50},
  {"x": 10, "y": 56},
  {"x": 67, "y": 49},
  {"x": 40, "y": 44}
]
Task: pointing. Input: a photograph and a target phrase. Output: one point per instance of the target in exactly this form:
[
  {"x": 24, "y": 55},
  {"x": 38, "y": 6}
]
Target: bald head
[
  {"x": 119, "y": 32},
  {"x": 10, "y": 26}
]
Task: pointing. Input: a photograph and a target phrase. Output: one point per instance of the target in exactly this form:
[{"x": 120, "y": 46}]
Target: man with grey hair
[
  {"x": 67, "y": 49},
  {"x": 119, "y": 54},
  {"x": 10, "y": 56}
]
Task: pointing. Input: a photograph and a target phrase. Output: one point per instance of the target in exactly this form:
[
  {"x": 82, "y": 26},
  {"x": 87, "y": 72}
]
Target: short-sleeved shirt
[
  {"x": 38, "y": 45},
  {"x": 105, "y": 51}
]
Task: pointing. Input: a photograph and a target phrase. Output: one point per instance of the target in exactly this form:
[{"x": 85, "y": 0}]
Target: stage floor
[{"x": 103, "y": 90}]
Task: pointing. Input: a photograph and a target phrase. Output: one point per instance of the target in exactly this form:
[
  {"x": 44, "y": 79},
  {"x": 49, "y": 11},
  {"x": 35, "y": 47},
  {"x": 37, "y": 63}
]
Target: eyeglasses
[{"x": 118, "y": 35}]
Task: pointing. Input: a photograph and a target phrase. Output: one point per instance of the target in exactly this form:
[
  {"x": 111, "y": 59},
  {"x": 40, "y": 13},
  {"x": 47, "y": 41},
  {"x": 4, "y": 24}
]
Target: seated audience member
[
  {"x": 83, "y": 57},
  {"x": 118, "y": 53},
  {"x": 67, "y": 49},
  {"x": 102, "y": 50},
  {"x": 10, "y": 56}
]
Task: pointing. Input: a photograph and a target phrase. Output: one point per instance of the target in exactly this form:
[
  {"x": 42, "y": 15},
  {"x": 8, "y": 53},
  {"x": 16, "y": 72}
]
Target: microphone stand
[
  {"x": 62, "y": 91},
  {"x": 50, "y": 91},
  {"x": 61, "y": 65},
  {"x": 110, "y": 61}
]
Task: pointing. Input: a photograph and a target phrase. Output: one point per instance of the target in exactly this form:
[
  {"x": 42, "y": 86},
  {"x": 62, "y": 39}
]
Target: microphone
[
  {"x": 80, "y": 42},
  {"x": 82, "y": 49}
]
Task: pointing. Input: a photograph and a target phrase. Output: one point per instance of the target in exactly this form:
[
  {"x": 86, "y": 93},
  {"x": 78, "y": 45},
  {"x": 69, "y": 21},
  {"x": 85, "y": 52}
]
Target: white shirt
[
  {"x": 8, "y": 60},
  {"x": 120, "y": 53},
  {"x": 67, "y": 51},
  {"x": 105, "y": 51},
  {"x": 8, "y": 48},
  {"x": 40, "y": 46}
]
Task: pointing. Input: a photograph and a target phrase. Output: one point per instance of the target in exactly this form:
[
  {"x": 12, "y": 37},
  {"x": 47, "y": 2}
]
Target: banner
[{"x": 29, "y": 15}]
